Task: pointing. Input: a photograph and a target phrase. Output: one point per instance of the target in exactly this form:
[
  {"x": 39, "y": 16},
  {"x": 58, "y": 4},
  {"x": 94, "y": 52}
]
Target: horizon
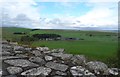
[{"x": 60, "y": 15}]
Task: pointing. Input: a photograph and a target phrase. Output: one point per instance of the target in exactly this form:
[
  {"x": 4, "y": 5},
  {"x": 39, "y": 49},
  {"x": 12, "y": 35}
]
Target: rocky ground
[{"x": 22, "y": 61}]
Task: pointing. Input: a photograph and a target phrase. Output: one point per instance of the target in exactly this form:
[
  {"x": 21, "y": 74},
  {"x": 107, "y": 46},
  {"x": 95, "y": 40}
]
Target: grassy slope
[
  {"x": 7, "y": 32},
  {"x": 98, "y": 47}
]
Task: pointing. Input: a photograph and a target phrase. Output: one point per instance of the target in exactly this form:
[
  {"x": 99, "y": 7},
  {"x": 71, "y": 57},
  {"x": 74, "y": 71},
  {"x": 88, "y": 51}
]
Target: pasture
[{"x": 100, "y": 46}]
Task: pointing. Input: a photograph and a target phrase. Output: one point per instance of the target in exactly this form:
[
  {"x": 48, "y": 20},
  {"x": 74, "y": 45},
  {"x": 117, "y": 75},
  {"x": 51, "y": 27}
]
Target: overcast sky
[{"x": 60, "y": 14}]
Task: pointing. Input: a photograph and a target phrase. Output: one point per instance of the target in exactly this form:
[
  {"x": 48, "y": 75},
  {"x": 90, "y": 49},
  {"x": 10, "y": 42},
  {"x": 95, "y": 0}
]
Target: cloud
[
  {"x": 103, "y": 14},
  {"x": 15, "y": 7}
]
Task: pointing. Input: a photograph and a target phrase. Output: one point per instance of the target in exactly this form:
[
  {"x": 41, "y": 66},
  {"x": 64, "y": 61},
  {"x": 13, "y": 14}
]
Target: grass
[
  {"x": 98, "y": 47},
  {"x": 92, "y": 49}
]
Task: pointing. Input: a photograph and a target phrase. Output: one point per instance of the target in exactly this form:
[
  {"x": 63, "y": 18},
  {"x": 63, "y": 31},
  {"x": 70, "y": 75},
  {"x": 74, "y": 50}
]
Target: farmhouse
[{"x": 47, "y": 36}]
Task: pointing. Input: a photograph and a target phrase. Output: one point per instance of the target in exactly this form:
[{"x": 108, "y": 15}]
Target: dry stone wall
[{"x": 22, "y": 61}]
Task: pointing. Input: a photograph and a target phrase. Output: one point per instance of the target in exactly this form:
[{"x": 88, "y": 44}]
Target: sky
[{"x": 60, "y": 14}]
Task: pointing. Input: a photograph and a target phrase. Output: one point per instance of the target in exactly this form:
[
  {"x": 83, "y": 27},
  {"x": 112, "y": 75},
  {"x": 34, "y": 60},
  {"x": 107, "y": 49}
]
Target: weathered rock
[
  {"x": 46, "y": 52},
  {"x": 20, "y": 62},
  {"x": 10, "y": 57},
  {"x": 36, "y": 53},
  {"x": 97, "y": 67},
  {"x": 37, "y": 60},
  {"x": 62, "y": 56},
  {"x": 56, "y": 66},
  {"x": 48, "y": 58},
  {"x": 11, "y": 76},
  {"x": 58, "y": 76},
  {"x": 21, "y": 56},
  {"x": 78, "y": 60},
  {"x": 60, "y": 50},
  {"x": 13, "y": 43},
  {"x": 37, "y": 71},
  {"x": 5, "y": 53},
  {"x": 18, "y": 52},
  {"x": 80, "y": 71},
  {"x": 19, "y": 48},
  {"x": 88, "y": 73},
  {"x": 61, "y": 73},
  {"x": 28, "y": 49},
  {"x": 6, "y": 47},
  {"x": 77, "y": 71},
  {"x": 113, "y": 71},
  {"x": 42, "y": 48},
  {"x": 59, "y": 64},
  {"x": 4, "y": 42},
  {"x": 14, "y": 70}
]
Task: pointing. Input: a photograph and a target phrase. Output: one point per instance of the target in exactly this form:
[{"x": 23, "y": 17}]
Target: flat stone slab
[
  {"x": 14, "y": 70},
  {"x": 62, "y": 56},
  {"x": 57, "y": 66},
  {"x": 5, "y": 53},
  {"x": 37, "y": 60},
  {"x": 11, "y": 57},
  {"x": 37, "y": 71},
  {"x": 20, "y": 62}
]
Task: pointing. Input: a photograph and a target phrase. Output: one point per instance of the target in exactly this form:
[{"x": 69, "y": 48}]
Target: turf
[{"x": 100, "y": 46}]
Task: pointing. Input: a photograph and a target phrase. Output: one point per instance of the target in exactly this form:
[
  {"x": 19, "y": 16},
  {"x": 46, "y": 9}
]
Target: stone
[
  {"x": 80, "y": 71},
  {"x": 21, "y": 55},
  {"x": 48, "y": 58},
  {"x": 78, "y": 60},
  {"x": 5, "y": 53},
  {"x": 4, "y": 42},
  {"x": 58, "y": 76},
  {"x": 5, "y": 46},
  {"x": 46, "y": 52},
  {"x": 60, "y": 50},
  {"x": 20, "y": 62},
  {"x": 28, "y": 49},
  {"x": 77, "y": 71},
  {"x": 54, "y": 50},
  {"x": 61, "y": 73},
  {"x": 11, "y": 76},
  {"x": 19, "y": 48},
  {"x": 13, "y": 43},
  {"x": 113, "y": 71},
  {"x": 1, "y": 72},
  {"x": 36, "y": 53},
  {"x": 18, "y": 52},
  {"x": 37, "y": 60},
  {"x": 42, "y": 48},
  {"x": 62, "y": 56},
  {"x": 97, "y": 66},
  {"x": 57, "y": 66},
  {"x": 10, "y": 57},
  {"x": 37, "y": 71},
  {"x": 88, "y": 73},
  {"x": 14, "y": 70}
]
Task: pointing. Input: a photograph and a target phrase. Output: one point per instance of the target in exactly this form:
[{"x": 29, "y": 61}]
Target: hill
[{"x": 100, "y": 46}]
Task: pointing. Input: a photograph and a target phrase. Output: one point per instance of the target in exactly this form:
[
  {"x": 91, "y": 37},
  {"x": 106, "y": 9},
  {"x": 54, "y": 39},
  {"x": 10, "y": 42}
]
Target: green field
[{"x": 101, "y": 46}]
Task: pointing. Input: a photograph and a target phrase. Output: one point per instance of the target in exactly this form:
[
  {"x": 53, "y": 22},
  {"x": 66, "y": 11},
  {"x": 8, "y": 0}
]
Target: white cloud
[
  {"x": 15, "y": 7},
  {"x": 103, "y": 14}
]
